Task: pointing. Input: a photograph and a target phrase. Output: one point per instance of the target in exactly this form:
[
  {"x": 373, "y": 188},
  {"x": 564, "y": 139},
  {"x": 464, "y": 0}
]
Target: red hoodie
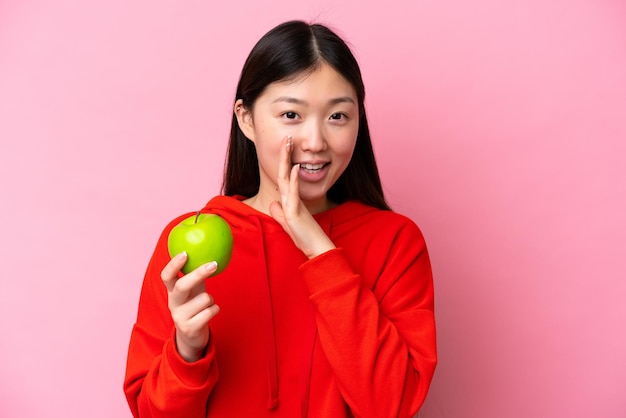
[{"x": 349, "y": 333}]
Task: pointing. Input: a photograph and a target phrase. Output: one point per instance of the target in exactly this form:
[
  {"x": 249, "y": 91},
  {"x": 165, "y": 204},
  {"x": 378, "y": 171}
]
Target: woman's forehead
[{"x": 323, "y": 83}]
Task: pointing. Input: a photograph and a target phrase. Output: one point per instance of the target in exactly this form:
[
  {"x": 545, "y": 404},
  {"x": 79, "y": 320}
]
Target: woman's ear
[{"x": 244, "y": 120}]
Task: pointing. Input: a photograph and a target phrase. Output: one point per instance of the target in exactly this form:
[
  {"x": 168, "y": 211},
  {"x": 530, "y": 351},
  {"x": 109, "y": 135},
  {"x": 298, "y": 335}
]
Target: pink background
[{"x": 499, "y": 128}]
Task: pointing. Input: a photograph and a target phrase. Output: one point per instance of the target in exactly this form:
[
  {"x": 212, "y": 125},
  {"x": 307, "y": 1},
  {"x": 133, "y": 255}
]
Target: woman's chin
[{"x": 315, "y": 203}]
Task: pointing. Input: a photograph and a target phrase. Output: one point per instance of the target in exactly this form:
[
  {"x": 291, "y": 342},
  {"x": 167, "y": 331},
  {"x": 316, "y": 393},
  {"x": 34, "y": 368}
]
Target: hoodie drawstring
[
  {"x": 267, "y": 317},
  {"x": 310, "y": 337},
  {"x": 269, "y": 330},
  {"x": 306, "y": 363}
]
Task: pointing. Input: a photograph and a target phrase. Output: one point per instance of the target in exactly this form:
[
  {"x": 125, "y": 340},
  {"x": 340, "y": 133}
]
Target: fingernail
[
  {"x": 181, "y": 256},
  {"x": 211, "y": 266}
]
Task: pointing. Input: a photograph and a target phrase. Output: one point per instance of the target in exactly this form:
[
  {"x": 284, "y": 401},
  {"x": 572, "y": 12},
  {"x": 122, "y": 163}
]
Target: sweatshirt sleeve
[
  {"x": 379, "y": 339},
  {"x": 158, "y": 381}
]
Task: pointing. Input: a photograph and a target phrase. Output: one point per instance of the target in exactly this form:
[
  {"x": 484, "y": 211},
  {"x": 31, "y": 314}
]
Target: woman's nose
[{"x": 313, "y": 139}]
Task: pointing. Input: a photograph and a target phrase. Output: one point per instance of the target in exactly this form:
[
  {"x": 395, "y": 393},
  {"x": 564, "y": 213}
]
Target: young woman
[{"x": 326, "y": 308}]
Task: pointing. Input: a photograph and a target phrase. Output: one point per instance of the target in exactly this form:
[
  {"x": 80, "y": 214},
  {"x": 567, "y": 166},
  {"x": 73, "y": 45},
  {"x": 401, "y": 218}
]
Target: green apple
[{"x": 205, "y": 237}]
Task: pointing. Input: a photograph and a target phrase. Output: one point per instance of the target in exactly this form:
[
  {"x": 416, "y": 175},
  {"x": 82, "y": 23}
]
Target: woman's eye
[
  {"x": 290, "y": 115},
  {"x": 338, "y": 116}
]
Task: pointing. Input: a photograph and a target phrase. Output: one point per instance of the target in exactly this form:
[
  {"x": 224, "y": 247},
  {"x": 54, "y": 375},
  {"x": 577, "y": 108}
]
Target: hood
[
  {"x": 259, "y": 226},
  {"x": 241, "y": 216}
]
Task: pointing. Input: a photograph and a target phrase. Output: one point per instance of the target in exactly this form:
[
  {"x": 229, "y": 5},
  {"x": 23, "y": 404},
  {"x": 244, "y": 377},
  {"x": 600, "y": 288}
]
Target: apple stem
[{"x": 195, "y": 221}]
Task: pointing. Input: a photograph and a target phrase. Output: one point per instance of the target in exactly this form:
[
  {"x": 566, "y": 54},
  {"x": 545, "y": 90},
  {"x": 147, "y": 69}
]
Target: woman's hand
[
  {"x": 292, "y": 214},
  {"x": 190, "y": 305}
]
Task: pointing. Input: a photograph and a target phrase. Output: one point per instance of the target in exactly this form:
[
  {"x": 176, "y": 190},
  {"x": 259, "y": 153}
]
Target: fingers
[
  {"x": 195, "y": 314},
  {"x": 191, "y": 321},
  {"x": 170, "y": 271},
  {"x": 288, "y": 180},
  {"x": 284, "y": 165},
  {"x": 277, "y": 213},
  {"x": 293, "y": 195},
  {"x": 182, "y": 289},
  {"x": 190, "y": 305}
]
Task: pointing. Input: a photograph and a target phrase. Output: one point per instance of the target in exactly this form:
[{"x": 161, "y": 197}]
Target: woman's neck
[{"x": 261, "y": 202}]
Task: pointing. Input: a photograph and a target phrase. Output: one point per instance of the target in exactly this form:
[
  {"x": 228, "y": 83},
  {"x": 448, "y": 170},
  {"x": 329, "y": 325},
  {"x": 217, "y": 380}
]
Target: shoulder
[
  {"x": 366, "y": 222},
  {"x": 218, "y": 204},
  {"x": 213, "y": 204},
  {"x": 382, "y": 246},
  {"x": 359, "y": 213}
]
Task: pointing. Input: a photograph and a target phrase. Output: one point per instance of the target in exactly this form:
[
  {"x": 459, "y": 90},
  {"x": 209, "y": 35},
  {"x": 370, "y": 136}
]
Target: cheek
[
  {"x": 345, "y": 145},
  {"x": 269, "y": 135},
  {"x": 267, "y": 150},
  {"x": 263, "y": 135}
]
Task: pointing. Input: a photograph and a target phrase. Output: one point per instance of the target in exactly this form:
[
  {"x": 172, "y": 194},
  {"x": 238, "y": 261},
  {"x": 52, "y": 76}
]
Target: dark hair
[{"x": 285, "y": 52}]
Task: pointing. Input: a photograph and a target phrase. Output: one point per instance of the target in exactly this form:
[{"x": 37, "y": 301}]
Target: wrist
[
  {"x": 189, "y": 353},
  {"x": 320, "y": 249}
]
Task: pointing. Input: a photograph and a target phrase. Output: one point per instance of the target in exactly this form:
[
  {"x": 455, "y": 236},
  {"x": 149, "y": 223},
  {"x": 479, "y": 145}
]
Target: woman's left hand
[{"x": 291, "y": 213}]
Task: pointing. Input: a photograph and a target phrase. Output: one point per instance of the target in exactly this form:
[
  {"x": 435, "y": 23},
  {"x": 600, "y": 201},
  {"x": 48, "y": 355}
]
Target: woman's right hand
[{"x": 190, "y": 305}]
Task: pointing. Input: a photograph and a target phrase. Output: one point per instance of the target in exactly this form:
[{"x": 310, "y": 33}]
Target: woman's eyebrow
[
  {"x": 287, "y": 99},
  {"x": 344, "y": 99}
]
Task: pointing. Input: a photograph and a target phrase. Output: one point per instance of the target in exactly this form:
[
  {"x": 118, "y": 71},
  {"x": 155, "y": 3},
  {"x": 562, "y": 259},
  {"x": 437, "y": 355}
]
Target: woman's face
[{"x": 320, "y": 112}]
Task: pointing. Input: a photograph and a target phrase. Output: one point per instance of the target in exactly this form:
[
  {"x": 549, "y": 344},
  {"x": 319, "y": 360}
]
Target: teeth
[{"x": 312, "y": 166}]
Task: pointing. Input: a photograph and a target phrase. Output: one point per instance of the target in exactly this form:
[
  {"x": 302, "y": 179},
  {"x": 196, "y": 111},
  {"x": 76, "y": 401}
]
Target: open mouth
[{"x": 312, "y": 168}]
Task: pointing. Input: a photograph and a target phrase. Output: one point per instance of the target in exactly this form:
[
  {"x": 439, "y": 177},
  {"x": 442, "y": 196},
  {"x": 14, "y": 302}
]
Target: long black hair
[{"x": 285, "y": 52}]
